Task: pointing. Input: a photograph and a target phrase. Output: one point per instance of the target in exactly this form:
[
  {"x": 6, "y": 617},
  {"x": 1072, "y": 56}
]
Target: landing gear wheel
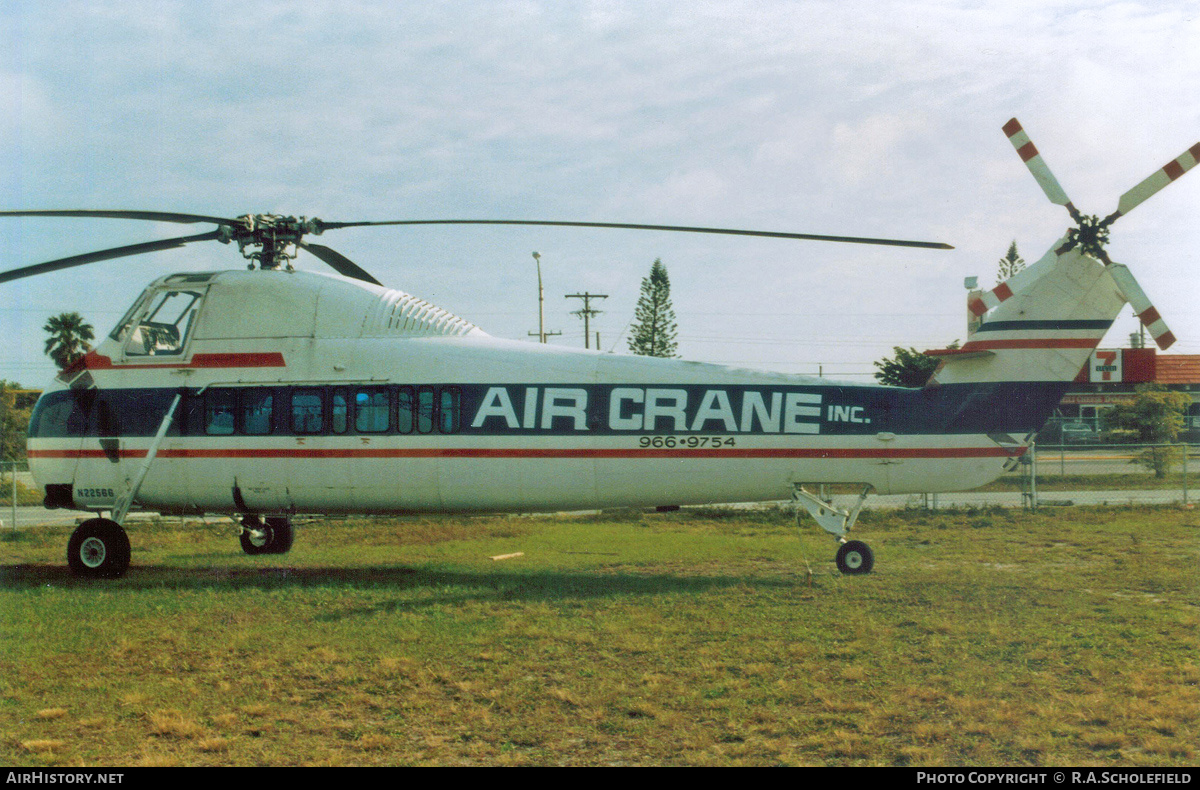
[
  {"x": 98, "y": 549},
  {"x": 855, "y": 557},
  {"x": 282, "y": 535},
  {"x": 256, "y": 536},
  {"x": 273, "y": 535}
]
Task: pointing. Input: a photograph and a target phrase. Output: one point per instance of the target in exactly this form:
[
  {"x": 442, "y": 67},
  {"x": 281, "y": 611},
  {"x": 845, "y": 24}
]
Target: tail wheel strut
[{"x": 853, "y": 557}]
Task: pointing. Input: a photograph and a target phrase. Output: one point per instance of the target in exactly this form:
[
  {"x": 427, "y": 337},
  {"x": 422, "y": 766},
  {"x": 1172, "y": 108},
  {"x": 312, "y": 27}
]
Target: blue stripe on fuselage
[
  {"x": 532, "y": 409},
  {"x": 1002, "y": 407}
]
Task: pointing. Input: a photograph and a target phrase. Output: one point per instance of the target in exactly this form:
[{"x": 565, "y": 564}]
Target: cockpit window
[
  {"x": 122, "y": 329},
  {"x": 163, "y": 327}
]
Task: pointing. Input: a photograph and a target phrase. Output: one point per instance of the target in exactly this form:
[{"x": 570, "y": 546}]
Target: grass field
[{"x": 984, "y": 637}]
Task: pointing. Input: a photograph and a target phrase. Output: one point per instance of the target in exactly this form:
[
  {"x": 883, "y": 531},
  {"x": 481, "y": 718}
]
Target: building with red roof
[{"x": 1112, "y": 376}]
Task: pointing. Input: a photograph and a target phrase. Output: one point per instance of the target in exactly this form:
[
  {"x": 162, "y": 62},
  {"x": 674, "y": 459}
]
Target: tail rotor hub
[{"x": 1091, "y": 235}]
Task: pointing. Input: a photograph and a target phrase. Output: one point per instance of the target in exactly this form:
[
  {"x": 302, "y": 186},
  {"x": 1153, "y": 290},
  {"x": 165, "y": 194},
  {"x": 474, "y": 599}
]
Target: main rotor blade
[
  {"x": 155, "y": 216},
  {"x": 104, "y": 255},
  {"x": 1033, "y": 160},
  {"x": 1161, "y": 177},
  {"x": 340, "y": 263},
  {"x": 628, "y": 226}
]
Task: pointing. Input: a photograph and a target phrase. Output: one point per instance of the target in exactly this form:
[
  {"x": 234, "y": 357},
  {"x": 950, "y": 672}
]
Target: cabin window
[
  {"x": 58, "y": 414},
  {"x": 448, "y": 410},
  {"x": 372, "y": 408},
  {"x": 307, "y": 413},
  {"x": 404, "y": 410},
  {"x": 257, "y": 411},
  {"x": 425, "y": 405},
  {"x": 164, "y": 328},
  {"x": 339, "y": 411},
  {"x": 219, "y": 409}
]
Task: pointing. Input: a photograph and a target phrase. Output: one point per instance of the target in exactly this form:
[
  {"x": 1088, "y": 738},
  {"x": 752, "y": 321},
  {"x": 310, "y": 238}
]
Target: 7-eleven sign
[{"x": 1105, "y": 365}]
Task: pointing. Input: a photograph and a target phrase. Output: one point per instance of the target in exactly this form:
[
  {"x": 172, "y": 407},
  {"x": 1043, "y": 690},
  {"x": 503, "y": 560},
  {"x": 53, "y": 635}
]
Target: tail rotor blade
[
  {"x": 1033, "y": 160},
  {"x": 1145, "y": 311},
  {"x": 1160, "y": 178}
]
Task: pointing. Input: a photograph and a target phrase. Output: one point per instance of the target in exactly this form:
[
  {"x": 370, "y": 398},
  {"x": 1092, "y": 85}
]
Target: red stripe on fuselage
[
  {"x": 1066, "y": 342},
  {"x": 254, "y": 359}
]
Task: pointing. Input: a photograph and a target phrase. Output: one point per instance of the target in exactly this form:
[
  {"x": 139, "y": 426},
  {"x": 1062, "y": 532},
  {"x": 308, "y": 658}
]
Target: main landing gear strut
[
  {"x": 99, "y": 547},
  {"x": 853, "y": 557}
]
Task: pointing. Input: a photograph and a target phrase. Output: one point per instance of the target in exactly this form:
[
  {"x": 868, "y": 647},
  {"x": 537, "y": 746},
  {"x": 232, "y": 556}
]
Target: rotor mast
[{"x": 276, "y": 237}]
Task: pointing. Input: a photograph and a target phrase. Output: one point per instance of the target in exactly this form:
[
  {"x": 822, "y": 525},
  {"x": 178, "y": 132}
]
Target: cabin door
[{"x": 100, "y": 476}]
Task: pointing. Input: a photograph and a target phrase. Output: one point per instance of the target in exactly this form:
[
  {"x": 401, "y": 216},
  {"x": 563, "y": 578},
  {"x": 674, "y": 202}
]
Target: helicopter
[{"x": 349, "y": 397}]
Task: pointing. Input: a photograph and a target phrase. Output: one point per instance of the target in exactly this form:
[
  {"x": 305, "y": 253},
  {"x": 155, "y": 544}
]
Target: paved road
[
  {"x": 1013, "y": 498},
  {"x": 37, "y": 516}
]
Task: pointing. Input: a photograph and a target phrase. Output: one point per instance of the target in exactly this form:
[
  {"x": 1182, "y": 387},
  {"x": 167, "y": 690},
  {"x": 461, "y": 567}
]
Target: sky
[{"x": 847, "y": 118}]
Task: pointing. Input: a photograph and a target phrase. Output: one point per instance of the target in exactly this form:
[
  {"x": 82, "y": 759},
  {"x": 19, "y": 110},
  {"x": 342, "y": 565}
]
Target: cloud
[
  {"x": 868, "y": 148},
  {"x": 878, "y": 119}
]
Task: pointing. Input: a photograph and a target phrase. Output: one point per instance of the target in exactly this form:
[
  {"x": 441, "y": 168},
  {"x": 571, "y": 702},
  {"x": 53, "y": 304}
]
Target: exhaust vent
[{"x": 398, "y": 313}]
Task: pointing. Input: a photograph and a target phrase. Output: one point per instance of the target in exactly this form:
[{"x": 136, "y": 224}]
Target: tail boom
[{"x": 1041, "y": 326}]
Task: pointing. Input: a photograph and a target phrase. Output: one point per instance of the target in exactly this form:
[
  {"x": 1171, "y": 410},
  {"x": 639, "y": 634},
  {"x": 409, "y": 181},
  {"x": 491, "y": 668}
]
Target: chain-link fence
[
  {"x": 1085, "y": 474},
  {"x": 1098, "y": 474},
  {"x": 16, "y": 488}
]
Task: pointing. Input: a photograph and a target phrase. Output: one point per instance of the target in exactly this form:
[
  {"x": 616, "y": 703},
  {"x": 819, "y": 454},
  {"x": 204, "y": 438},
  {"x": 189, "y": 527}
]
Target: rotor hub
[
  {"x": 1090, "y": 236},
  {"x": 269, "y": 240}
]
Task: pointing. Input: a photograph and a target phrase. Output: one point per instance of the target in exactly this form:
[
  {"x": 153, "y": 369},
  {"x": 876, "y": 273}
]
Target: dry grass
[{"x": 984, "y": 637}]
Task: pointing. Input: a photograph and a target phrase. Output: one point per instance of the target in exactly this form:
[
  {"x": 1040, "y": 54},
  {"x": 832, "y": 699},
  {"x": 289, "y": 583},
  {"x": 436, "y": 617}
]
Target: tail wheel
[
  {"x": 98, "y": 549},
  {"x": 855, "y": 557}
]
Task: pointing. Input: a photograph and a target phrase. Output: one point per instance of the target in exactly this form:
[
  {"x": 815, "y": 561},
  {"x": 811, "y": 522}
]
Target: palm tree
[{"x": 69, "y": 339}]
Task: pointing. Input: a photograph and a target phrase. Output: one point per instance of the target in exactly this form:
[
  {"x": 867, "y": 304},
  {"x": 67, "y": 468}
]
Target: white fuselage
[{"x": 342, "y": 397}]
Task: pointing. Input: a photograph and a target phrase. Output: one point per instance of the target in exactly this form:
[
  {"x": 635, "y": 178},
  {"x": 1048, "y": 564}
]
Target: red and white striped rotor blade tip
[
  {"x": 1161, "y": 177},
  {"x": 1145, "y": 311},
  {"x": 1033, "y": 160}
]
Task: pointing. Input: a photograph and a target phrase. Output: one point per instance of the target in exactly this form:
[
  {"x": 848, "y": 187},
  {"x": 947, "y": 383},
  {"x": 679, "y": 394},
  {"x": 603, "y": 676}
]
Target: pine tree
[
  {"x": 1010, "y": 264},
  {"x": 70, "y": 338},
  {"x": 654, "y": 330}
]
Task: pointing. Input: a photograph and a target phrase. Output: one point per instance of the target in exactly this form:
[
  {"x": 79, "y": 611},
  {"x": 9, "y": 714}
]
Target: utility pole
[
  {"x": 586, "y": 313},
  {"x": 541, "y": 334}
]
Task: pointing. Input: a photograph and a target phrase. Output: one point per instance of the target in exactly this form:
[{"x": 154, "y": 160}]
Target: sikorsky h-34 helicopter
[{"x": 271, "y": 392}]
